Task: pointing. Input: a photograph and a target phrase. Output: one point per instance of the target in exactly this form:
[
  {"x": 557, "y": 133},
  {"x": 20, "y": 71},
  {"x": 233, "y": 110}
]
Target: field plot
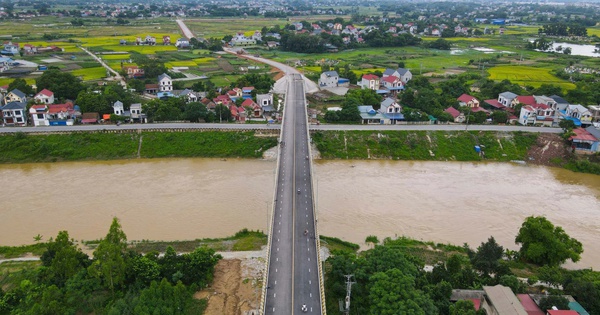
[
  {"x": 524, "y": 75},
  {"x": 88, "y": 74}
]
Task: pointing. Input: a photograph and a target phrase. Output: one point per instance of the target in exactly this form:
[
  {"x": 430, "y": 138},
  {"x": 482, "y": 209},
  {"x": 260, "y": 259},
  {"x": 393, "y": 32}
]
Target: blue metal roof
[{"x": 395, "y": 116}]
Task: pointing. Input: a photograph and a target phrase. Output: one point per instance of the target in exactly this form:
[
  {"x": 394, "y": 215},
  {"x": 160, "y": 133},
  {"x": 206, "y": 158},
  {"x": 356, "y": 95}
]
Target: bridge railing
[
  {"x": 314, "y": 204},
  {"x": 263, "y": 298}
]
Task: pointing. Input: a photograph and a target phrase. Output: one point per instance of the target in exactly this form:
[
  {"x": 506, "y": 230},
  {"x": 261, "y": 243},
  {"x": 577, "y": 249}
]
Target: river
[{"x": 177, "y": 199}]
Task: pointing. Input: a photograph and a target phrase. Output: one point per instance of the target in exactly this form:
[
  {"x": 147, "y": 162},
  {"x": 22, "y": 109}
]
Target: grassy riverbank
[
  {"x": 27, "y": 148},
  {"x": 424, "y": 145}
]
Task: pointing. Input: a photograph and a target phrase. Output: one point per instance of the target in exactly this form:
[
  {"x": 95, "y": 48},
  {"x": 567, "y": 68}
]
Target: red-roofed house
[
  {"x": 536, "y": 114},
  {"x": 468, "y": 100},
  {"x": 526, "y": 99},
  {"x": 529, "y": 305},
  {"x": 584, "y": 142},
  {"x": 133, "y": 71},
  {"x": 370, "y": 81},
  {"x": 222, "y": 99},
  {"x": 238, "y": 113},
  {"x": 494, "y": 104},
  {"x": 562, "y": 312},
  {"x": 45, "y": 97},
  {"x": 458, "y": 116},
  {"x": 53, "y": 114},
  {"x": 257, "y": 110}
]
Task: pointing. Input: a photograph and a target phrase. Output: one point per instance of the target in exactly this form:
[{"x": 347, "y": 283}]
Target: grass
[
  {"x": 423, "y": 145},
  {"x": 88, "y": 74},
  {"x": 17, "y": 251},
  {"x": 24, "y": 148},
  {"x": 334, "y": 243},
  {"x": 244, "y": 240},
  {"x": 525, "y": 75}
]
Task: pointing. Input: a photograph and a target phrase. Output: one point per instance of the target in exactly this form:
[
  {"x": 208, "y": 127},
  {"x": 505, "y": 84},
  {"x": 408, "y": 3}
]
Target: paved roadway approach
[{"x": 293, "y": 273}]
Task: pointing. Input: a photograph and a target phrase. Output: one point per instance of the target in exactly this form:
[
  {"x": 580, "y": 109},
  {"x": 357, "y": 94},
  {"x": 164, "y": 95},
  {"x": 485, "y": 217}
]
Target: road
[
  {"x": 293, "y": 272},
  {"x": 111, "y": 70},
  {"x": 185, "y": 30},
  {"x": 276, "y": 127}
]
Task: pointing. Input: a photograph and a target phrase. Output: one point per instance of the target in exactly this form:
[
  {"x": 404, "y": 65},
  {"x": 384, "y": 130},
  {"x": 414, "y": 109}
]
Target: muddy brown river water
[{"x": 176, "y": 199}]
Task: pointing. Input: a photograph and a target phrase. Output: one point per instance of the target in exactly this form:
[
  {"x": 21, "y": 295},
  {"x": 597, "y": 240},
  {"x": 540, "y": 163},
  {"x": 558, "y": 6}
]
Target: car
[{"x": 298, "y": 191}]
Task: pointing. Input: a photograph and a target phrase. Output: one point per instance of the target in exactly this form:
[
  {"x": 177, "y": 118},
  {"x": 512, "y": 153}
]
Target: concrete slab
[{"x": 51, "y": 60}]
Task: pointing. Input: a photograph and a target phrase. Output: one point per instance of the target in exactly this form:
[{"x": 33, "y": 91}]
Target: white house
[
  {"x": 136, "y": 113},
  {"x": 264, "y": 99},
  {"x": 118, "y": 108},
  {"x": 182, "y": 43},
  {"x": 508, "y": 99},
  {"x": 392, "y": 82},
  {"x": 39, "y": 115},
  {"x": 44, "y": 97},
  {"x": 329, "y": 79},
  {"x": 15, "y": 96},
  {"x": 370, "y": 81},
  {"x": 13, "y": 114},
  {"x": 241, "y": 40},
  {"x": 403, "y": 74},
  {"x": 580, "y": 113},
  {"x": 165, "y": 84},
  {"x": 10, "y": 48},
  {"x": 536, "y": 114},
  {"x": 390, "y": 106},
  {"x": 257, "y": 36}
]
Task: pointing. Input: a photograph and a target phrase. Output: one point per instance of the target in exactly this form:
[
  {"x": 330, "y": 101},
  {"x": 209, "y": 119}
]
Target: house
[
  {"x": 165, "y": 83},
  {"x": 182, "y": 43},
  {"x": 133, "y": 71},
  {"x": 494, "y": 104},
  {"x": 241, "y": 40},
  {"x": 561, "y": 103},
  {"x": 475, "y": 296},
  {"x": 150, "y": 40},
  {"x": 166, "y": 40},
  {"x": 370, "y": 81},
  {"x": 90, "y": 118},
  {"x": 501, "y": 301},
  {"x": 392, "y": 84},
  {"x": 29, "y": 49},
  {"x": 62, "y": 114},
  {"x": 189, "y": 95},
  {"x": 10, "y": 48},
  {"x": 329, "y": 79},
  {"x": 586, "y": 141},
  {"x": 561, "y": 312},
  {"x": 247, "y": 91},
  {"x": 457, "y": 115},
  {"x": 238, "y": 113},
  {"x": 508, "y": 99},
  {"x": 15, "y": 96},
  {"x": 403, "y": 74},
  {"x": 580, "y": 115},
  {"x": 13, "y": 114},
  {"x": 118, "y": 108},
  {"x": 137, "y": 115},
  {"x": 5, "y": 63},
  {"x": 468, "y": 100},
  {"x": 44, "y": 97},
  {"x": 529, "y": 305},
  {"x": 390, "y": 106},
  {"x": 235, "y": 93},
  {"x": 595, "y": 111},
  {"x": 369, "y": 116},
  {"x": 264, "y": 99},
  {"x": 257, "y": 110},
  {"x": 151, "y": 88},
  {"x": 257, "y": 36},
  {"x": 39, "y": 115}
]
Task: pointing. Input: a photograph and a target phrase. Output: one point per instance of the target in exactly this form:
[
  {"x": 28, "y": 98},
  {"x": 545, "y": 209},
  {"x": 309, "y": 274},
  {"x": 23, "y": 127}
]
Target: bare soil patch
[
  {"x": 549, "y": 147},
  {"x": 225, "y": 65}
]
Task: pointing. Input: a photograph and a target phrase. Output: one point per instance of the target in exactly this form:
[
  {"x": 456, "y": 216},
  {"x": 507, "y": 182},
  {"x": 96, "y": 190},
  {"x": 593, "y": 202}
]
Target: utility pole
[{"x": 345, "y": 306}]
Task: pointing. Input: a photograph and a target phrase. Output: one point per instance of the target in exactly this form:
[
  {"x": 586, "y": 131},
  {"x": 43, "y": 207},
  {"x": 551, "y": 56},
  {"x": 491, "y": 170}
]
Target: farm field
[{"x": 525, "y": 75}]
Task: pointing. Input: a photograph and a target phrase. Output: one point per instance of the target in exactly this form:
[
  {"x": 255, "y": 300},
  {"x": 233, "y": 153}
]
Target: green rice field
[{"x": 525, "y": 75}]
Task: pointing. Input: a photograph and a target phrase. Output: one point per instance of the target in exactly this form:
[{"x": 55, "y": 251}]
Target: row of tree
[{"x": 115, "y": 281}]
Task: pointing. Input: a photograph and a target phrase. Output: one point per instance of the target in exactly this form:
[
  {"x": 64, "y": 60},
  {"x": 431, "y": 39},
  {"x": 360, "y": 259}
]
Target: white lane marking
[
  {"x": 277, "y": 248},
  {"x": 275, "y": 294},
  {"x": 310, "y": 296},
  {"x": 276, "y": 270},
  {"x": 308, "y": 269},
  {"x": 309, "y": 281},
  {"x": 277, "y": 259},
  {"x": 275, "y": 281},
  {"x": 308, "y": 258}
]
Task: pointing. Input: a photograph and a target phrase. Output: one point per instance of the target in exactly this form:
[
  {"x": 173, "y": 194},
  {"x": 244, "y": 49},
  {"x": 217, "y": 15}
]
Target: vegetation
[
  {"x": 242, "y": 241},
  {"x": 25, "y": 148},
  {"x": 115, "y": 281},
  {"x": 544, "y": 244},
  {"x": 416, "y": 145}
]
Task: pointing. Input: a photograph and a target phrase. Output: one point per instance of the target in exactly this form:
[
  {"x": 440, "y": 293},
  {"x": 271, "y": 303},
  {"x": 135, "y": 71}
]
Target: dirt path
[{"x": 235, "y": 289}]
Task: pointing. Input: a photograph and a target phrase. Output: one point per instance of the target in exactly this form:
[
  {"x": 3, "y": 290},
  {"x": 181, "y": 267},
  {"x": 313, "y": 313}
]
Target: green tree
[
  {"x": 513, "y": 283},
  {"x": 63, "y": 259},
  {"x": 21, "y": 85},
  {"x": 372, "y": 239},
  {"x": 109, "y": 258},
  {"x": 393, "y": 292},
  {"x": 463, "y": 307},
  {"x": 195, "y": 111},
  {"x": 487, "y": 258},
  {"x": 547, "y": 302},
  {"x": 544, "y": 244},
  {"x": 500, "y": 116},
  {"x": 64, "y": 85},
  {"x": 222, "y": 113}
]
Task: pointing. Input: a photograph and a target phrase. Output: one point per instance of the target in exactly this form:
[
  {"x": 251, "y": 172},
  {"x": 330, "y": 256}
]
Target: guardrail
[
  {"x": 317, "y": 238},
  {"x": 263, "y": 298},
  {"x": 114, "y": 129}
]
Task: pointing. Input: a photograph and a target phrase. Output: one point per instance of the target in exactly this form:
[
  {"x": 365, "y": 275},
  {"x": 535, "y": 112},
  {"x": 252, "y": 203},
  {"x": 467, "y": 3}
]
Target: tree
[
  {"x": 21, "y": 85},
  {"x": 109, "y": 260},
  {"x": 63, "y": 259},
  {"x": 222, "y": 113},
  {"x": 372, "y": 239},
  {"x": 544, "y": 244},
  {"x": 64, "y": 85},
  {"x": 500, "y": 116},
  {"x": 513, "y": 283},
  {"x": 393, "y": 292},
  {"x": 195, "y": 111},
  {"x": 487, "y": 257},
  {"x": 463, "y": 307},
  {"x": 547, "y": 302}
]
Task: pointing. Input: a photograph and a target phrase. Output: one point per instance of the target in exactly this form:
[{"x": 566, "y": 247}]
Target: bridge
[{"x": 293, "y": 283}]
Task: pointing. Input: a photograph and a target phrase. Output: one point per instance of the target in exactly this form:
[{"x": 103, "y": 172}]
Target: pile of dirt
[
  {"x": 548, "y": 148},
  {"x": 236, "y": 288}
]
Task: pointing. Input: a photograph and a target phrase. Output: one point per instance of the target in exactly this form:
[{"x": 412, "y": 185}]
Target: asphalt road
[
  {"x": 293, "y": 278},
  {"x": 266, "y": 126}
]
